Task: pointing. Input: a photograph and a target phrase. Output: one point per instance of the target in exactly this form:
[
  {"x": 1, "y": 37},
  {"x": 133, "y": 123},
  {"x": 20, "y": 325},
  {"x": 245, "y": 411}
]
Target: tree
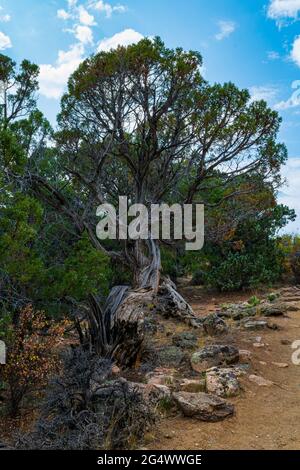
[
  {"x": 140, "y": 121},
  {"x": 23, "y": 136},
  {"x": 18, "y": 88}
]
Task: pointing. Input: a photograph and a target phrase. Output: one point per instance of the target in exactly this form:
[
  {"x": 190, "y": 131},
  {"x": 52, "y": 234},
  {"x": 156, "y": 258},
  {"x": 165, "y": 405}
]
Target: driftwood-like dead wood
[{"x": 117, "y": 330}]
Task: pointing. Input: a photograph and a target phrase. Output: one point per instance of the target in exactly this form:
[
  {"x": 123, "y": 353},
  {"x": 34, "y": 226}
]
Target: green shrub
[{"x": 239, "y": 271}]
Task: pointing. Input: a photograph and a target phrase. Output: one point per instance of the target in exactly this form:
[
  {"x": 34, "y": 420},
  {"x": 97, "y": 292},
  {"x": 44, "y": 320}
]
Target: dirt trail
[{"x": 266, "y": 417}]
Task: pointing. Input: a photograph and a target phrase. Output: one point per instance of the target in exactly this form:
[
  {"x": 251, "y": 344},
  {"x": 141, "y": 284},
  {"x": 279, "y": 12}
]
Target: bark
[
  {"x": 117, "y": 331},
  {"x": 148, "y": 266},
  {"x": 170, "y": 303}
]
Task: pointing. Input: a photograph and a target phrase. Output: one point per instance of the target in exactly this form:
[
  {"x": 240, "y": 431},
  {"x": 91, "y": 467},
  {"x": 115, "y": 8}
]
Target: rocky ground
[{"x": 231, "y": 385}]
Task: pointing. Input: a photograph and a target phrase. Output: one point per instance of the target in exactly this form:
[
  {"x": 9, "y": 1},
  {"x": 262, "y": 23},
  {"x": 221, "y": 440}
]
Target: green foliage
[
  {"x": 171, "y": 263},
  {"x": 84, "y": 271},
  {"x": 19, "y": 225},
  {"x": 247, "y": 270},
  {"x": 254, "y": 301},
  {"x": 272, "y": 297}
]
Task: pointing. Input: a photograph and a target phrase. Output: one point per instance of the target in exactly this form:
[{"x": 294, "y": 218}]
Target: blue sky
[{"x": 255, "y": 44}]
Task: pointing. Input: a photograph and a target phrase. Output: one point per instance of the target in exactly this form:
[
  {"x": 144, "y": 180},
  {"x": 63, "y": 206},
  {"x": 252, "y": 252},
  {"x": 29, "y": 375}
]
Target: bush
[
  {"x": 240, "y": 271},
  {"x": 30, "y": 359},
  {"x": 87, "y": 408}
]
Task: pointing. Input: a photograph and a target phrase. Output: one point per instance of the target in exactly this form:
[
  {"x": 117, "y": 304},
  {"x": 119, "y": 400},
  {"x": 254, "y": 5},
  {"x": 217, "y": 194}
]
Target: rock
[
  {"x": 255, "y": 325},
  {"x": 214, "y": 355},
  {"x": 286, "y": 342},
  {"x": 185, "y": 340},
  {"x": 281, "y": 365},
  {"x": 161, "y": 376},
  {"x": 241, "y": 368},
  {"x": 158, "y": 392},
  {"x": 214, "y": 325},
  {"x": 244, "y": 354},
  {"x": 238, "y": 311},
  {"x": 170, "y": 356},
  {"x": 203, "y": 406},
  {"x": 273, "y": 326},
  {"x": 258, "y": 345},
  {"x": 292, "y": 290},
  {"x": 273, "y": 309},
  {"x": 193, "y": 386},
  {"x": 292, "y": 298},
  {"x": 222, "y": 382},
  {"x": 260, "y": 381},
  {"x": 151, "y": 392},
  {"x": 292, "y": 308}
]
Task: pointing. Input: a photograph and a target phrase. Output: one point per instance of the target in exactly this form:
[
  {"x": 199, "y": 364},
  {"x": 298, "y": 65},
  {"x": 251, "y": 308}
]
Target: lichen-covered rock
[
  {"x": 214, "y": 355},
  {"x": 213, "y": 325},
  {"x": 273, "y": 309},
  {"x": 222, "y": 382},
  {"x": 237, "y": 311},
  {"x": 255, "y": 325},
  {"x": 170, "y": 356},
  {"x": 152, "y": 393},
  {"x": 185, "y": 340},
  {"x": 203, "y": 406}
]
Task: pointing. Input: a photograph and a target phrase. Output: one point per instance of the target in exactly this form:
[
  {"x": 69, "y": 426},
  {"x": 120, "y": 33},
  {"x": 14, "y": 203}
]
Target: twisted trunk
[
  {"x": 117, "y": 330},
  {"x": 147, "y": 270}
]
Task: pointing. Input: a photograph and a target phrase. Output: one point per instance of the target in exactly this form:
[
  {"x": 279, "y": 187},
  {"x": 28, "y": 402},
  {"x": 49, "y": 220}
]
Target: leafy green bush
[{"x": 239, "y": 270}]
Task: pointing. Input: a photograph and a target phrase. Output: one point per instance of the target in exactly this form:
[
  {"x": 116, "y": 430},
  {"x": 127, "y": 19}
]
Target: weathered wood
[{"x": 117, "y": 330}]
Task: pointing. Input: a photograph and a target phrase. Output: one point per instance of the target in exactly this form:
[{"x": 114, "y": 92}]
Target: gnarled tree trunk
[{"x": 117, "y": 330}]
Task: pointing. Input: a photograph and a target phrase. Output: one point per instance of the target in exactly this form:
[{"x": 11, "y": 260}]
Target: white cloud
[
  {"x": 72, "y": 3},
  {"x": 84, "y": 34},
  {"x": 124, "y": 38},
  {"x": 294, "y": 99},
  {"x": 226, "y": 28},
  {"x": 85, "y": 17},
  {"x": 63, "y": 14},
  {"x": 53, "y": 78},
  {"x": 5, "y": 41},
  {"x": 265, "y": 92},
  {"x": 107, "y": 8},
  {"x": 295, "y": 54},
  {"x": 279, "y": 9}
]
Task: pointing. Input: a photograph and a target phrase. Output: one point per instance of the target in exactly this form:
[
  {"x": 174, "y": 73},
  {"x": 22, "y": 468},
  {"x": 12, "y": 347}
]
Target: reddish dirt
[{"x": 265, "y": 417}]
